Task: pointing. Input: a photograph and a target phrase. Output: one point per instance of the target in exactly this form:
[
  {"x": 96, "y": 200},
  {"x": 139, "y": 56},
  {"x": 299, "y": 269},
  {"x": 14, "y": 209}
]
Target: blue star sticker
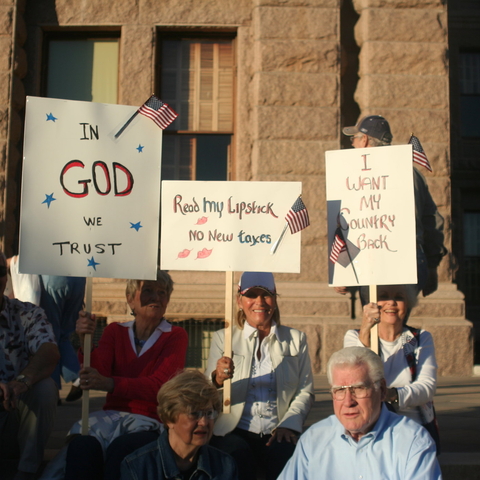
[
  {"x": 92, "y": 263},
  {"x": 136, "y": 226},
  {"x": 51, "y": 117},
  {"x": 140, "y": 148},
  {"x": 48, "y": 199}
]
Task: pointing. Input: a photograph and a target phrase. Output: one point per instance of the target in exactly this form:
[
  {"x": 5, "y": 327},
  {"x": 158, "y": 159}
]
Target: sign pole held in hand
[
  {"x": 374, "y": 330},
  {"x": 87, "y": 348},
  {"x": 227, "y": 384}
]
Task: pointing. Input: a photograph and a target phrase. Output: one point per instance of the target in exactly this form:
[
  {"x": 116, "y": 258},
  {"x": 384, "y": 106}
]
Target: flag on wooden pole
[
  {"x": 419, "y": 155},
  {"x": 297, "y": 216},
  {"x": 338, "y": 246}
]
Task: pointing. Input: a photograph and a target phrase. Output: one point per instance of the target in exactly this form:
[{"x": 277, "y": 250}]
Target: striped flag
[
  {"x": 297, "y": 216},
  {"x": 339, "y": 245},
  {"x": 161, "y": 113},
  {"x": 419, "y": 155}
]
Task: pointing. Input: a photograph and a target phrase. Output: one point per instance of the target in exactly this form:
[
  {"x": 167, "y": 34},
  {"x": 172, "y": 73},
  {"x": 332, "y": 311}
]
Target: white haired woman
[
  {"x": 272, "y": 383},
  {"x": 408, "y": 353}
]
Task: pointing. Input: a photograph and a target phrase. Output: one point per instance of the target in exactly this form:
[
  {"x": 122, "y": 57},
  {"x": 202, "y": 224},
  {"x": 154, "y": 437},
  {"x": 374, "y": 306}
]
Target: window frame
[{"x": 176, "y": 33}]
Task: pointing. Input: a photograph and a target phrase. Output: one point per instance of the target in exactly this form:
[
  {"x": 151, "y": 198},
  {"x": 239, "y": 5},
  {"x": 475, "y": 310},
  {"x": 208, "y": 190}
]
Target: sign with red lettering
[
  {"x": 229, "y": 226},
  {"x": 90, "y": 201},
  {"x": 371, "y": 216}
]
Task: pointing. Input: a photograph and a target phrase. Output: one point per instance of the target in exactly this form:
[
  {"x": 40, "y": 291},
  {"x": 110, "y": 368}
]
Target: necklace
[{"x": 138, "y": 342}]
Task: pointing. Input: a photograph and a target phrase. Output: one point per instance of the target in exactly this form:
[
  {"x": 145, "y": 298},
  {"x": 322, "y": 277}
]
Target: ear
[
  {"x": 383, "y": 389},
  {"x": 239, "y": 301}
]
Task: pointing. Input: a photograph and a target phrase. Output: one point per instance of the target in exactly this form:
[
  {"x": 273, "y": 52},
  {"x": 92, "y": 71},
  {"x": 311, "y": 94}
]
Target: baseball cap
[
  {"x": 374, "y": 125},
  {"x": 250, "y": 280}
]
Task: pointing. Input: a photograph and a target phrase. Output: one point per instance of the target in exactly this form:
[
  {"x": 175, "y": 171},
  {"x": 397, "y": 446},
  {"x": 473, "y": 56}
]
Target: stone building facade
[{"x": 302, "y": 70}]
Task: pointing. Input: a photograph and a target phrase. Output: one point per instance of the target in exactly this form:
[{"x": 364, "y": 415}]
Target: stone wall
[{"x": 287, "y": 114}]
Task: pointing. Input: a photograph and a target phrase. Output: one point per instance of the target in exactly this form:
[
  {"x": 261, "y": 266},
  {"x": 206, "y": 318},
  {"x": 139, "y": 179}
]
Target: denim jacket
[{"x": 156, "y": 461}]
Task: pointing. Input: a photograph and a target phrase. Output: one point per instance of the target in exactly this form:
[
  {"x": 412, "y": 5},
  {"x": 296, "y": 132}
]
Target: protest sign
[
  {"x": 228, "y": 226},
  {"x": 371, "y": 216},
  {"x": 90, "y": 202}
]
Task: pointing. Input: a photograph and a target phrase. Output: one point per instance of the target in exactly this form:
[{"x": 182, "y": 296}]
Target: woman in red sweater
[{"x": 132, "y": 361}]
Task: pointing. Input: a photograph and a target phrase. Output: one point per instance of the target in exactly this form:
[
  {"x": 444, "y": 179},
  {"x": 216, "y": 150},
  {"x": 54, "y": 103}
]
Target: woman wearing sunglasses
[{"x": 272, "y": 383}]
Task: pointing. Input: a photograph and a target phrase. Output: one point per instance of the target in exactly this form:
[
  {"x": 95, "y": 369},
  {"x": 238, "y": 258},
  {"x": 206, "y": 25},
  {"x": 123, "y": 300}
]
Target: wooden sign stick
[
  {"x": 87, "y": 348},
  {"x": 374, "y": 330},
  {"x": 227, "y": 384}
]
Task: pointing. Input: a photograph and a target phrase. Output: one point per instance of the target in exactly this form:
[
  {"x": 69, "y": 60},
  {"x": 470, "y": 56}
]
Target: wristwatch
[{"x": 23, "y": 379}]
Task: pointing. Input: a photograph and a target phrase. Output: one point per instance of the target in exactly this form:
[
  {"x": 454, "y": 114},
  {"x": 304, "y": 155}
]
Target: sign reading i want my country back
[
  {"x": 371, "y": 216},
  {"x": 90, "y": 201}
]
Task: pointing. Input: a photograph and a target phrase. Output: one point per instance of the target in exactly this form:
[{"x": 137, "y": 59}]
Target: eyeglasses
[
  {"x": 3, "y": 270},
  {"x": 352, "y": 139},
  {"x": 208, "y": 414},
  {"x": 356, "y": 391}
]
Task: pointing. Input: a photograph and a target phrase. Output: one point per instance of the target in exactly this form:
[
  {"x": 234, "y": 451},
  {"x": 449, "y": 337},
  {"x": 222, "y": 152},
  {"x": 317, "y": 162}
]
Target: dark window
[
  {"x": 82, "y": 68},
  {"x": 470, "y": 95},
  {"x": 197, "y": 81}
]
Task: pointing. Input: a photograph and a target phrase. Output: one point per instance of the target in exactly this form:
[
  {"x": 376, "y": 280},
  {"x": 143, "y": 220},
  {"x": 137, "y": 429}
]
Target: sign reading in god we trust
[
  {"x": 371, "y": 216},
  {"x": 90, "y": 201},
  {"x": 228, "y": 226}
]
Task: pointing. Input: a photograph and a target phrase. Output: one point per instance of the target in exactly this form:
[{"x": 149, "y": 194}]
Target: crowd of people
[{"x": 160, "y": 421}]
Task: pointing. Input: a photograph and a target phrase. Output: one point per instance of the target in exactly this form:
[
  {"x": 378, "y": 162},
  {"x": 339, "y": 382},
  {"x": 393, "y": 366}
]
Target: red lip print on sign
[
  {"x": 184, "y": 253},
  {"x": 204, "y": 253},
  {"x": 202, "y": 221}
]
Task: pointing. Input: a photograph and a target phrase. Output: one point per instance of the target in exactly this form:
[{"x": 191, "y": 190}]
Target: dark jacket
[{"x": 156, "y": 461}]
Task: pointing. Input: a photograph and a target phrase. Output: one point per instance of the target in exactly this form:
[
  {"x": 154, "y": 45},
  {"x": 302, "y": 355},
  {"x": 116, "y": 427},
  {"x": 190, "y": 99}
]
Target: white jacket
[{"x": 294, "y": 379}]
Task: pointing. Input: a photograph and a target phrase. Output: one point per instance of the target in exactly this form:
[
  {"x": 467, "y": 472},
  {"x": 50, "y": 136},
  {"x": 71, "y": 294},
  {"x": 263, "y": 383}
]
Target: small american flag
[
  {"x": 339, "y": 245},
  {"x": 297, "y": 216},
  {"x": 419, "y": 155},
  {"x": 161, "y": 113}
]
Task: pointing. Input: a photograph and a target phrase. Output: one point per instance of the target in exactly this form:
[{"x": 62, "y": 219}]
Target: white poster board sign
[
  {"x": 370, "y": 200},
  {"x": 90, "y": 202},
  {"x": 228, "y": 226}
]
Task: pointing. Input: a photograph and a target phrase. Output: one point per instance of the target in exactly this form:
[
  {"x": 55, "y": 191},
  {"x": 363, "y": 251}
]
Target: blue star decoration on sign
[
  {"x": 51, "y": 117},
  {"x": 136, "y": 226},
  {"x": 49, "y": 199},
  {"x": 140, "y": 148},
  {"x": 92, "y": 263}
]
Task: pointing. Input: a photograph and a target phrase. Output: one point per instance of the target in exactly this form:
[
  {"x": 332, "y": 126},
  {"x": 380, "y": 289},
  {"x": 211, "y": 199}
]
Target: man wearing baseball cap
[{"x": 374, "y": 131}]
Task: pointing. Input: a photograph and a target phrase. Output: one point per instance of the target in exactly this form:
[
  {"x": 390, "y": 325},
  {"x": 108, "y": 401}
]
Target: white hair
[{"x": 355, "y": 356}]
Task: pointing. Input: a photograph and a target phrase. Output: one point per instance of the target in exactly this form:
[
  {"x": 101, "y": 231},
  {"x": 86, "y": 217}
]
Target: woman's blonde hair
[
  {"x": 163, "y": 278},
  {"x": 187, "y": 392}
]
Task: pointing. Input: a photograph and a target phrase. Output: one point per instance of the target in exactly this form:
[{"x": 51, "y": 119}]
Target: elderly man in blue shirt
[{"x": 363, "y": 439}]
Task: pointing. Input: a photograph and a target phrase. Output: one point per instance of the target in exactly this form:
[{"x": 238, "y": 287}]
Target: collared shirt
[
  {"x": 163, "y": 326},
  {"x": 23, "y": 329},
  {"x": 397, "y": 448},
  {"x": 260, "y": 411},
  {"x": 157, "y": 460}
]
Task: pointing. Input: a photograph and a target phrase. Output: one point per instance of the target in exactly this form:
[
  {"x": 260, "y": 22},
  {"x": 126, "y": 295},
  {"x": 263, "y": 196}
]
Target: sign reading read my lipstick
[
  {"x": 371, "y": 216},
  {"x": 228, "y": 226},
  {"x": 90, "y": 202}
]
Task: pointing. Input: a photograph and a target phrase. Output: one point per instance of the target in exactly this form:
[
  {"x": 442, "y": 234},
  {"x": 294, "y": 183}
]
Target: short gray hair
[
  {"x": 163, "y": 278},
  {"x": 376, "y": 142},
  {"x": 356, "y": 356}
]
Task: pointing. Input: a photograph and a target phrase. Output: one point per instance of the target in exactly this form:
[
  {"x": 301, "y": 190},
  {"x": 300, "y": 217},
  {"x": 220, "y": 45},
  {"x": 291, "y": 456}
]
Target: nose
[
  {"x": 349, "y": 400},
  {"x": 203, "y": 420}
]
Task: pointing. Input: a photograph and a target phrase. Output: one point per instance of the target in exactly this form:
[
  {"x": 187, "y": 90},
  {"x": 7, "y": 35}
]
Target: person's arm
[
  {"x": 216, "y": 353},
  {"x": 297, "y": 467},
  {"x": 423, "y": 388},
  {"x": 41, "y": 365},
  {"x": 303, "y": 397},
  {"x": 430, "y": 227}
]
